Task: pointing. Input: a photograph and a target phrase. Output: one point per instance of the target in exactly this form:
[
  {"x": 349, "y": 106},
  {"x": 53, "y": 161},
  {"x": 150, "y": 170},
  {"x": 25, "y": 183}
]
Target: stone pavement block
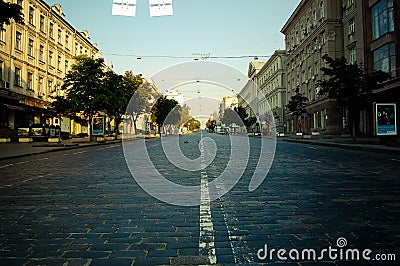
[
  {"x": 47, "y": 262},
  {"x": 190, "y": 260},
  {"x": 12, "y": 261},
  {"x": 86, "y": 254},
  {"x": 109, "y": 247},
  {"x": 128, "y": 240},
  {"x": 152, "y": 261},
  {"x": 128, "y": 254},
  {"x": 112, "y": 262}
]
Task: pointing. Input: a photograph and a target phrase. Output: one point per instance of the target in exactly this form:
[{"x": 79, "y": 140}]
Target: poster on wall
[
  {"x": 385, "y": 119},
  {"x": 98, "y": 126}
]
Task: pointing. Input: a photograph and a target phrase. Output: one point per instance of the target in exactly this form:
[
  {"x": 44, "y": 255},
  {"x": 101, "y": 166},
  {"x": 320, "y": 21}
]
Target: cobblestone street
[{"x": 83, "y": 207}]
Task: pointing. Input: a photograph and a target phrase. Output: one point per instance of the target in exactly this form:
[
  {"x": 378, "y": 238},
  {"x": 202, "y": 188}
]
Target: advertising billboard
[
  {"x": 98, "y": 126},
  {"x": 385, "y": 119}
]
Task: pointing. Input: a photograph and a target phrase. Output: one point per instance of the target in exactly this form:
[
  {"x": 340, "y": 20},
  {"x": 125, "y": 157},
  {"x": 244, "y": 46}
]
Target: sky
[{"x": 220, "y": 28}]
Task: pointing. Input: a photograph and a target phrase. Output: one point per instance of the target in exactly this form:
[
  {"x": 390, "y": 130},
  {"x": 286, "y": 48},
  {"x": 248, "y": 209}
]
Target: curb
[
  {"x": 59, "y": 149},
  {"x": 347, "y": 146}
]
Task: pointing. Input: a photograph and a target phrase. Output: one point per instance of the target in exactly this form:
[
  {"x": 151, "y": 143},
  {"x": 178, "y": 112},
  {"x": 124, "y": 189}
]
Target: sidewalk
[
  {"x": 364, "y": 144},
  {"x": 15, "y": 150}
]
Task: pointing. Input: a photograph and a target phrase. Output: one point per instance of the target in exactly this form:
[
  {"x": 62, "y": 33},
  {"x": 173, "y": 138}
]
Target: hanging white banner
[
  {"x": 160, "y": 8},
  {"x": 124, "y": 8}
]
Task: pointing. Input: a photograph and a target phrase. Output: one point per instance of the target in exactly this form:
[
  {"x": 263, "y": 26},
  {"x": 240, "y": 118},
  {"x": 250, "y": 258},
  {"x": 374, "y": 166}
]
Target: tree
[
  {"x": 297, "y": 106},
  {"x": 164, "y": 111},
  {"x": 83, "y": 88},
  {"x": 349, "y": 85},
  {"x": 211, "y": 124},
  {"x": 248, "y": 121},
  {"x": 184, "y": 114},
  {"x": 141, "y": 101},
  {"x": 230, "y": 117},
  {"x": 192, "y": 124},
  {"x": 10, "y": 11},
  {"x": 117, "y": 93}
]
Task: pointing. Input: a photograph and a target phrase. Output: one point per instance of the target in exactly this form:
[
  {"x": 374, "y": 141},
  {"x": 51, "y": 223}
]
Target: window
[
  {"x": 308, "y": 25},
  {"x": 31, "y": 17},
  {"x": 41, "y": 53},
  {"x": 19, "y": 2},
  {"x": 51, "y": 30},
  {"x": 353, "y": 55},
  {"x": 59, "y": 63},
  {"x": 2, "y": 35},
  {"x": 18, "y": 41},
  {"x": 315, "y": 17},
  {"x": 59, "y": 36},
  {"x": 322, "y": 9},
  {"x": 1, "y": 70},
  {"x": 30, "y": 48},
  {"x": 40, "y": 86},
  {"x": 382, "y": 18},
  {"x": 51, "y": 88},
  {"x": 17, "y": 77},
  {"x": 76, "y": 48},
  {"x": 41, "y": 23},
  {"x": 351, "y": 26},
  {"x": 323, "y": 118},
  {"x": 385, "y": 58},
  {"x": 30, "y": 81},
  {"x": 51, "y": 58},
  {"x": 66, "y": 66},
  {"x": 67, "y": 41}
]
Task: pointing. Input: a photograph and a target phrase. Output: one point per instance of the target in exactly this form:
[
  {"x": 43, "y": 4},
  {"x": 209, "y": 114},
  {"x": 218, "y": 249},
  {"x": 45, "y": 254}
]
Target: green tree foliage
[
  {"x": 297, "y": 104},
  {"x": 211, "y": 124},
  {"x": 248, "y": 121},
  {"x": 10, "y": 11},
  {"x": 349, "y": 85},
  {"x": 83, "y": 87},
  {"x": 231, "y": 117},
  {"x": 117, "y": 93},
  {"x": 91, "y": 88},
  {"x": 141, "y": 101},
  {"x": 192, "y": 124},
  {"x": 185, "y": 116},
  {"x": 165, "y": 111}
]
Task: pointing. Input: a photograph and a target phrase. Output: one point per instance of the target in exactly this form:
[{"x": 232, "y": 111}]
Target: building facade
[
  {"x": 271, "y": 82},
  {"x": 228, "y": 103},
  {"x": 34, "y": 59},
  {"x": 380, "y": 23},
  {"x": 248, "y": 96},
  {"x": 313, "y": 30},
  {"x": 362, "y": 31}
]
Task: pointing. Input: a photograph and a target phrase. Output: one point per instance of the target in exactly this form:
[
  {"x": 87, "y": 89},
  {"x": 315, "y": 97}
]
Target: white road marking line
[
  {"x": 313, "y": 148},
  {"x": 316, "y": 161},
  {"x": 25, "y": 180},
  {"x": 79, "y": 152},
  {"x": 395, "y": 160},
  {"x": 234, "y": 241},
  {"x": 7, "y": 165},
  {"x": 23, "y": 162},
  {"x": 206, "y": 240}
]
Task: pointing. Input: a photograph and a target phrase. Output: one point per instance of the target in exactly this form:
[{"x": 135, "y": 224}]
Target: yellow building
[{"x": 34, "y": 59}]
